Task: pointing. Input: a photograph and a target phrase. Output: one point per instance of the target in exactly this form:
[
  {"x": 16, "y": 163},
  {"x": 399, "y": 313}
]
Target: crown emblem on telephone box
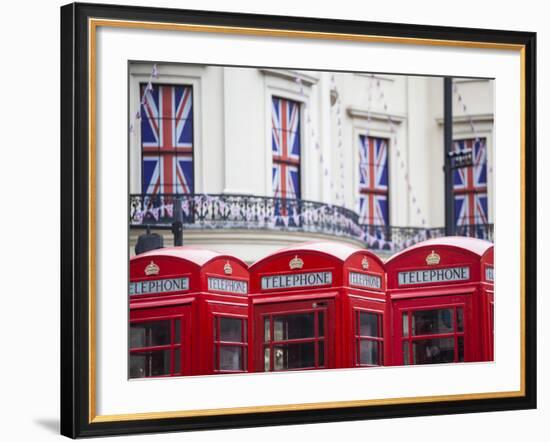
[
  {"x": 227, "y": 269},
  {"x": 433, "y": 259},
  {"x": 152, "y": 269},
  {"x": 365, "y": 263},
  {"x": 296, "y": 263}
]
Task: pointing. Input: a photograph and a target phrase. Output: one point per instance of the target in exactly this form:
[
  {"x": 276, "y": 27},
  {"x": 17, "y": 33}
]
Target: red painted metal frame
[
  {"x": 339, "y": 298},
  {"x": 203, "y": 305},
  {"x": 376, "y": 290},
  {"x": 488, "y": 304},
  {"x": 452, "y": 252}
]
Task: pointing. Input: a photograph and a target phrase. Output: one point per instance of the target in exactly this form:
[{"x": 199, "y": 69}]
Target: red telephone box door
[
  {"x": 160, "y": 342},
  {"x": 294, "y": 335},
  {"x": 431, "y": 330}
]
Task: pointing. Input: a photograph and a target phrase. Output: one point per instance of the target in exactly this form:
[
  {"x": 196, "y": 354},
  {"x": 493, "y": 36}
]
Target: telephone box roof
[
  {"x": 196, "y": 255},
  {"x": 338, "y": 250},
  {"x": 473, "y": 245}
]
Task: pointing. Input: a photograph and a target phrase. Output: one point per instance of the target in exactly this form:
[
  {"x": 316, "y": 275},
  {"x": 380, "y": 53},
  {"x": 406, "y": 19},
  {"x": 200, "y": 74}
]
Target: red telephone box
[
  {"x": 188, "y": 313},
  {"x": 435, "y": 295},
  {"x": 317, "y": 305},
  {"x": 488, "y": 302}
]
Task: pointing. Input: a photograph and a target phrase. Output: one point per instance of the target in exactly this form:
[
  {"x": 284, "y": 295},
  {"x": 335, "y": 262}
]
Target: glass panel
[
  {"x": 267, "y": 330},
  {"x": 406, "y": 360},
  {"x": 177, "y": 361},
  {"x": 295, "y": 326},
  {"x": 433, "y": 351},
  {"x": 149, "y": 334},
  {"x": 151, "y": 363},
  {"x": 459, "y": 319},
  {"x": 267, "y": 356},
  {"x": 368, "y": 324},
  {"x": 321, "y": 319},
  {"x": 368, "y": 352},
  {"x": 231, "y": 330},
  {"x": 461, "y": 349},
  {"x": 291, "y": 356},
  {"x": 321, "y": 353},
  {"x": 428, "y": 322},
  {"x": 177, "y": 331},
  {"x": 405, "y": 321},
  {"x": 230, "y": 358}
]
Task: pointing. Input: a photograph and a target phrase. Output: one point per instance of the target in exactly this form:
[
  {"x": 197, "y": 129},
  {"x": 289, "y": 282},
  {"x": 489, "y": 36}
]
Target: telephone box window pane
[
  {"x": 231, "y": 330},
  {"x": 369, "y": 352},
  {"x": 321, "y": 320},
  {"x": 433, "y": 351},
  {"x": 149, "y": 334},
  {"x": 321, "y": 353},
  {"x": 267, "y": 357},
  {"x": 295, "y": 326},
  {"x": 459, "y": 319},
  {"x": 368, "y": 324},
  {"x": 292, "y": 356},
  {"x": 428, "y": 322},
  {"x": 177, "y": 331},
  {"x": 406, "y": 359},
  {"x": 231, "y": 358},
  {"x": 405, "y": 324},
  {"x": 267, "y": 331},
  {"x": 152, "y": 363},
  {"x": 460, "y": 348},
  {"x": 177, "y": 361}
]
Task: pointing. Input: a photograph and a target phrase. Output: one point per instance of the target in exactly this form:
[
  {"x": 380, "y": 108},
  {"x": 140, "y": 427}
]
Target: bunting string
[{"x": 149, "y": 88}]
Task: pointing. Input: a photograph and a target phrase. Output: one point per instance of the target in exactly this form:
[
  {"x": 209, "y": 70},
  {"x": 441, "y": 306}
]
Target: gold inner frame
[{"x": 93, "y": 24}]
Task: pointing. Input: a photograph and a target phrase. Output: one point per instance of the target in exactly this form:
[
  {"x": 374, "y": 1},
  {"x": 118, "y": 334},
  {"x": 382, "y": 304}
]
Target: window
[
  {"x": 369, "y": 348},
  {"x": 155, "y": 348},
  {"x": 433, "y": 336},
  {"x": 286, "y": 147},
  {"x": 294, "y": 341},
  {"x": 167, "y": 140},
  {"x": 230, "y": 344},
  {"x": 470, "y": 185},
  {"x": 373, "y": 181}
]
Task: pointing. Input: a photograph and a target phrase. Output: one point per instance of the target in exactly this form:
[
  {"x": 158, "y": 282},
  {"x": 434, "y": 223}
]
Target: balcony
[{"x": 205, "y": 211}]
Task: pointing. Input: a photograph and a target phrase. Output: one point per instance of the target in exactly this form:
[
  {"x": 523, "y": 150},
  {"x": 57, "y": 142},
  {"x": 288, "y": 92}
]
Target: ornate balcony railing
[{"x": 204, "y": 211}]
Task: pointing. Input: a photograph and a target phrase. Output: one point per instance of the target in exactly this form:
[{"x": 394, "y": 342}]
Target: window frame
[
  {"x": 358, "y": 191},
  {"x": 409, "y": 339},
  {"x": 358, "y": 338},
  {"x": 487, "y": 191},
  {"x": 217, "y": 343},
  {"x": 300, "y": 105},
  {"x": 316, "y": 339},
  {"x": 160, "y": 154},
  {"x": 172, "y": 346}
]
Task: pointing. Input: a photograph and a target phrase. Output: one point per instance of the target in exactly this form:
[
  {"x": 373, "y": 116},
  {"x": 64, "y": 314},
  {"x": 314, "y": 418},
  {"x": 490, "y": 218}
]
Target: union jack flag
[
  {"x": 167, "y": 139},
  {"x": 470, "y": 185},
  {"x": 373, "y": 181},
  {"x": 286, "y": 146}
]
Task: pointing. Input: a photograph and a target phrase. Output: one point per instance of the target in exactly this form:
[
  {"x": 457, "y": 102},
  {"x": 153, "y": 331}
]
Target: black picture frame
[{"x": 77, "y": 405}]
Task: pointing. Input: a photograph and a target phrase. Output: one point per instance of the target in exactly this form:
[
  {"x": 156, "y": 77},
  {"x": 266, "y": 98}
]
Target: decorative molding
[
  {"x": 465, "y": 119},
  {"x": 355, "y": 112},
  {"x": 376, "y": 77},
  {"x": 288, "y": 74},
  {"x": 471, "y": 80}
]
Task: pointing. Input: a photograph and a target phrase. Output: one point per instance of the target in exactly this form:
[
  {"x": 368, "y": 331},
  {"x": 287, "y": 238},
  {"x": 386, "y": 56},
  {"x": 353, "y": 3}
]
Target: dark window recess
[
  {"x": 369, "y": 339},
  {"x": 230, "y": 344},
  {"x": 436, "y": 336}
]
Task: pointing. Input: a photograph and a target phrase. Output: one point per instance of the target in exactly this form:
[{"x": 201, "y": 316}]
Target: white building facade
[{"x": 260, "y": 158}]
